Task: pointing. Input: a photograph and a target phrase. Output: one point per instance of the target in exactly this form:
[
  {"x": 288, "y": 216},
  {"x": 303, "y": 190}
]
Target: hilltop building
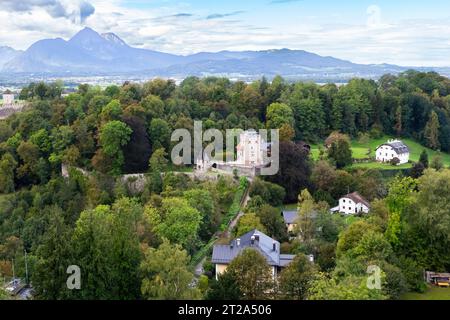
[
  {"x": 250, "y": 149},
  {"x": 393, "y": 149},
  {"x": 8, "y": 98},
  {"x": 249, "y": 158},
  {"x": 352, "y": 203}
]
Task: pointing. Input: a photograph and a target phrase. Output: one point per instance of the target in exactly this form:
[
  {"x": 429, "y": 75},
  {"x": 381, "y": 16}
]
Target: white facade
[
  {"x": 349, "y": 206},
  {"x": 250, "y": 149},
  {"x": 387, "y": 152},
  {"x": 8, "y": 98}
]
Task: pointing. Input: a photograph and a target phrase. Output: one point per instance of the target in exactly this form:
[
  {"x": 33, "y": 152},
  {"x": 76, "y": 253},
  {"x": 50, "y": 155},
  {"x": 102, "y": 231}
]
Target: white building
[
  {"x": 250, "y": 149},
  {"x": 391, "y": 150},
  {"x": 249, "y": 158},
  {"x": 8, "y": 98},
  {"x": 352, "y": 203}
]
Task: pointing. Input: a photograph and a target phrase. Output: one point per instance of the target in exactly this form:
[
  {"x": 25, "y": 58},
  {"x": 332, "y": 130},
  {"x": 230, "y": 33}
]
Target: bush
[
  {"x": 271, "y": 193},
  {"x": 376, "y": 132},
  {"x": 395, "y": 161}
]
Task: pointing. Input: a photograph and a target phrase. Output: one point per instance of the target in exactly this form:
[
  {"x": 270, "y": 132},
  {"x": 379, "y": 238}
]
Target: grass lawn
[
  {"x": 289, "y": 207},
  {"x": 433, "y": 293},
  {"x": 361, "y": 151}
]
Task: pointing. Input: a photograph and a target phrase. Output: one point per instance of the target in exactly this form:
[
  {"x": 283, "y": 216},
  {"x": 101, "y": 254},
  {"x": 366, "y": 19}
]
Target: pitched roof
[
  {"x": 398, "y": 146},
  {"x": 357, "y": 198},
  {"x": 224, "y": 254},
  {"x": 285, "y": 259},
  {"x": 290, "y": 216}
]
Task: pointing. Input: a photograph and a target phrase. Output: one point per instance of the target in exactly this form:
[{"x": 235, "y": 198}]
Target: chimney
[
  {"x": 238, "y": 242},
  {"x": 257, "y": 237},
  {"x": 252, "y": 240},
  {"x": 231, "y": 244},
  {"x": 274, "y": 246}
]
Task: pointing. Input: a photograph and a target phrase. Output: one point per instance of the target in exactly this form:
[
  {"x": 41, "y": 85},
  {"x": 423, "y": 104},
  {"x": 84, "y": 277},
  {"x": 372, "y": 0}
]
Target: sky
[{"x": 407, "y": 33}]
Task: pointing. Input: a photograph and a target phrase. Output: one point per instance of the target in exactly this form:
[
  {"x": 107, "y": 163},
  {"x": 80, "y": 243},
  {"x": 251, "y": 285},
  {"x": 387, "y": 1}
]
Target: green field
[
  {"x": 433, "y": 293},
  {"x": 362, "y": 151}
]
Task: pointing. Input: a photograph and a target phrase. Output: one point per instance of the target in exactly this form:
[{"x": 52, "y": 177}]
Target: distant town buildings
[
  {"x": 393, "y": 149},
  {"x": 352, "y": 203}
]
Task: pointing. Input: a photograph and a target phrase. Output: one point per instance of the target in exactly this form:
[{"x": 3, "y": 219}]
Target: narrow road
[
  {"x": 245, "y": 198},
  {"x": 244, "y": 202}
]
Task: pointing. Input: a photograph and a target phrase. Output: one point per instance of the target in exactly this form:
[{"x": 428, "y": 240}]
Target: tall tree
[
  {"x": 296, "y": 279},
  {"x": 113, "y": 136},
  {"x": 7, "y": 167},
  {"x": 431, "y": 131},
  {"x": 252, "y": 275},
  {"x": 341, "y": 153},
  {"x": 279, "y": 114},
  {"x": 249, "y": 222},
  {"x": 295, "y": 170},
  {"x": 166, "y": 275},
  {"x": 306, "y": 208},
  {"x": 423, "y": 159},
  {"x": 225, "y": 288},
  {"x": 54, "y": 256},
  {"x": 176, "y": 220}
]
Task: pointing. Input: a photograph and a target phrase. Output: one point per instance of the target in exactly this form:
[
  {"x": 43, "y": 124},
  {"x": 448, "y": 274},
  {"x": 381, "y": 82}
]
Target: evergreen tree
[
  {"x": 431, "y": 132},
  {"x": 424, "y": 159}
]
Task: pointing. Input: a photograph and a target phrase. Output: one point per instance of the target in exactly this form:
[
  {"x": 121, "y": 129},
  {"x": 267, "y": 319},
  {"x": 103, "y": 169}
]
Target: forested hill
[
  {"x": 115, "y": 130},
  {"x": 126, "y": 242}
]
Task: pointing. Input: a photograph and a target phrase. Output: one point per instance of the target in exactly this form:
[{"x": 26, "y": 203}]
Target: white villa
[
  {"x": 391, "y": 150},
  {"x": 352, "y": 203}
]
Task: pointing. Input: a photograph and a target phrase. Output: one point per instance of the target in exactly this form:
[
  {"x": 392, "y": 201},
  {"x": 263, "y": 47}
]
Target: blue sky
[{"x": 412, "y": 33}]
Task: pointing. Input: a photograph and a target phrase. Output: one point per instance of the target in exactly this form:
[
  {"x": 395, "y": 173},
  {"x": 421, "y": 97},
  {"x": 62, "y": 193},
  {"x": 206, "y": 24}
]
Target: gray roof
[
  {"x": 285, "y": 259},
  {"x": 224, "y": 254},
  {"x": 290, "y": 216},
  {"x": 398, "y": 146},
  {"x": 357, "y": 198}
]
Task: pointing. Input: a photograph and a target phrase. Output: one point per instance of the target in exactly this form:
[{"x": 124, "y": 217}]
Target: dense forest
[{"x": 138, "y": 244}]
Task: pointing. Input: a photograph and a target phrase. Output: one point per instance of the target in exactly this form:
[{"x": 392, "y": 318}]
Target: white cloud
[{"x": 182, "y": 30}]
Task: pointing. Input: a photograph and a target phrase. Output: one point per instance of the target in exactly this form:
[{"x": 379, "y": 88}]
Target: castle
[{"x": 249, "y": 156}]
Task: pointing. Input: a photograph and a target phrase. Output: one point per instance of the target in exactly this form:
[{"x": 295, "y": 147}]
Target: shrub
[{"x": 395, "y": 161}]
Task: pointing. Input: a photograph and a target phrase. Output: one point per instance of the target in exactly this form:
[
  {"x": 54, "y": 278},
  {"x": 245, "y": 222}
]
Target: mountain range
[{"x": 91, "y": 53}]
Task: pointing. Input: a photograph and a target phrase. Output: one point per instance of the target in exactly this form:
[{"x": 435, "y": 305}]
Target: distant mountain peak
[
  {"x": 86, "y": 35},
  {"x": 112, "y": 37},
  {"x": 89, "y": 52}
]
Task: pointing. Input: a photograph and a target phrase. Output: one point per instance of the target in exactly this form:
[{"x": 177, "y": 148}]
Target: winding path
[{"x": 245, "y": 198}]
